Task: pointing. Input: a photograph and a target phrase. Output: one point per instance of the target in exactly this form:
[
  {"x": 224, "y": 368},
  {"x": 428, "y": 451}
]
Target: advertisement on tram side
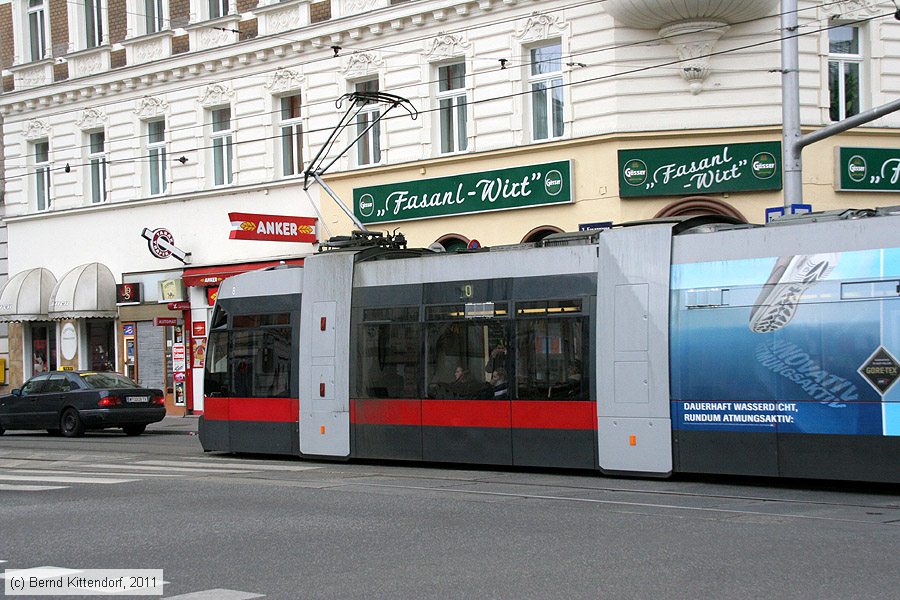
[{"x": 794, "y": 344}]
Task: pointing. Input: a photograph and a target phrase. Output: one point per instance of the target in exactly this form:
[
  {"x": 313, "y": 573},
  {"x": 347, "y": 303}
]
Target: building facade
[{"x": 142, "y": 136}]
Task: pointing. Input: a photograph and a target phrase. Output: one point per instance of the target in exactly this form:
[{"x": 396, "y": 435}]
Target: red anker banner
[{"x": 272, "y": 228}]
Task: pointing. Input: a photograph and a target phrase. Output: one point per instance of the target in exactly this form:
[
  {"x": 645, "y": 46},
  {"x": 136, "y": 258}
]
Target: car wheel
[
  {"x": 134, "y": 429},
  {"x": 54, "y": 432},
  {"x": 71, "y": 423}
]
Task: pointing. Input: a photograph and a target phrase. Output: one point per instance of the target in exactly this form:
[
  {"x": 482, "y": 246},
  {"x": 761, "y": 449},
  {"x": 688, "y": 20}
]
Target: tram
[{"x": 695, "y": 345}]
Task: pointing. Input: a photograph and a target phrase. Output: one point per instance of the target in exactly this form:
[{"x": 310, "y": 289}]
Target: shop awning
[
  {"x": 85, "y": 292},
  {"x": 26, "y": 295},
  {"x": 214, "y": 275}
]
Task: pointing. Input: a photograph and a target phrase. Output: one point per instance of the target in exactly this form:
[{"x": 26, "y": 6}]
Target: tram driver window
[{"x": 551, "y": 350}]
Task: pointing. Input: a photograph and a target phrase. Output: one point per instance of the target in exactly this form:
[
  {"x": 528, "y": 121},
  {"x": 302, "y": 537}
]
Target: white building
[{"x": 126, "y": 115}]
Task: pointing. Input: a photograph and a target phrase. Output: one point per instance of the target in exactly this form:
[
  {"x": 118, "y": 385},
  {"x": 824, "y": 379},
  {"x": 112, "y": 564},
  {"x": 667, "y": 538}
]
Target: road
[{"x": 228, "y": 527}]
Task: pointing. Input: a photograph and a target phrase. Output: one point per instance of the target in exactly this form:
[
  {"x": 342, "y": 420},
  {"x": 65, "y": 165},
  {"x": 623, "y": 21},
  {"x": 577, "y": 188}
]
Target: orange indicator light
[
  {"x": 632, "y": 441},
  {"x": 322, "y": 430}
]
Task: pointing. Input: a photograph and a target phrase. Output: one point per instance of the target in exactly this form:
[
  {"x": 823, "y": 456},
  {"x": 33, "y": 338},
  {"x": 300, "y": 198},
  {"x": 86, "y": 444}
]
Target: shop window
[
  {"x": 43, "y": 348},
  {"x": 100, "y": 337}
]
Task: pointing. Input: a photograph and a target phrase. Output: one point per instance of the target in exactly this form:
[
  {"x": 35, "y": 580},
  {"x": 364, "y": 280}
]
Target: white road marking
[
  {"x": 41, "y": 572},
  {"x": 218, "y": 594},
  {"x": 226, "y": 465},
  {"x": 86, "y": 473},
  {"x": 63, "y": 479},
  {"x": 178, "y": 469},
  {"x": 8, "y": 487}
]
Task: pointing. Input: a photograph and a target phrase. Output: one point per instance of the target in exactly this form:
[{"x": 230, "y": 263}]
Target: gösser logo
[
  {"x": 763, "y": 165},
  {"x": 553, "y": 182},
  {"x": 366, "y": 205},
  {"x": 635, "y": 172},
  {"x": 856, "y": 168}
]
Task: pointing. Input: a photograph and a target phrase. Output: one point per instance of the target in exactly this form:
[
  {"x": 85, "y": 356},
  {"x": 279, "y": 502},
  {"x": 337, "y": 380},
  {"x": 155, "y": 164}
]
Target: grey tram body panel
[{"x": 632, "y": 336}]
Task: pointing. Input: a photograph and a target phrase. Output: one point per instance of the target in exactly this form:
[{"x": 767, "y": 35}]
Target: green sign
[
  {"x": 502, "y": 189},
  {"x": 699, "y": 169},
  {"x": 868, "y": 170}
]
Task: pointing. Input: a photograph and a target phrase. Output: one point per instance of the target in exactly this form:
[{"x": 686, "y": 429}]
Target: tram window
[
  {"x": 471, "y": 310},
  {"x": 550, "y": 359},
  {"x": 245, "y": 321},
  {"x": 388, "y": 364},
  {"x": 219, "y": 318},
  {"x": 465, "y": 356},
  {"x": 391, "y": 315},
  {"x": 548, "y": 307},
  {"x": 215, "y": 380},
  {"x": 261, "y": 361}
]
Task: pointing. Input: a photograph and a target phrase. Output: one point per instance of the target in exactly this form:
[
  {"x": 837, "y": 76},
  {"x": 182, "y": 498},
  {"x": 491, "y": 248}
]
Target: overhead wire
[
  {"x": 505, "y": 63},
  {"x": 665, "y": 65}
]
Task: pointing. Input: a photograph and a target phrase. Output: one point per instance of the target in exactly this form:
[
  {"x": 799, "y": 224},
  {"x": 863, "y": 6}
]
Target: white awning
[
  {"x": 26, "y": 295},
  {"x": 88, "y": 291}
]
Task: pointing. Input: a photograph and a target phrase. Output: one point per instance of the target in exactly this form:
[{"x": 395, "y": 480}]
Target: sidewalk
[{"x": 186, "y": 425}]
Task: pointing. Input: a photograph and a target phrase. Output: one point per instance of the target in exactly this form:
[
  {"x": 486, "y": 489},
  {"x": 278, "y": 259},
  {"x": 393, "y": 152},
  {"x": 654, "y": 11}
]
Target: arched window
[
  {"x": 699, "y": 205},
  {"x": 539, "y": 233},
  {"x": 452, "y": 242}
]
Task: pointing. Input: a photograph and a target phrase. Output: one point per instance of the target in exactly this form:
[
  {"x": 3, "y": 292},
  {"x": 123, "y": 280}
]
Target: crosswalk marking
[{"x": 217, "y": 594}]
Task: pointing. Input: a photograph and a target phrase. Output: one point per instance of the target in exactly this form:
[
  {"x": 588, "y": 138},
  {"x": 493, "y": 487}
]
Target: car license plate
[{"x": 134, "y": 399}]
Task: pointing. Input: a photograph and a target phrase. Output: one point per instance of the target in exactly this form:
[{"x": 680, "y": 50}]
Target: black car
[{"x": 68, "y": 402}]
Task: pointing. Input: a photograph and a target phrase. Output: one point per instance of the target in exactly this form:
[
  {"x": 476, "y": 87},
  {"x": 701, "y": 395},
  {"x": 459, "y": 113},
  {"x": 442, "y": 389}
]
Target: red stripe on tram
[
  {"x": 271, "y": 410},
  {"x": 522, "y": 414}
]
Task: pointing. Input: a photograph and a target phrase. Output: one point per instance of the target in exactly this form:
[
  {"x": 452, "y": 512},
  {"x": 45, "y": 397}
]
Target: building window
[
  {"x": 156, "y": 154},
  {"x": 37, "y": 37},
  {"x": 368, "y": 147},
  {"x": 222, "y": 147},
  {"x": 545, "y": 81},
  {"x": 97, "y": 166},
  {"x": 153, "y": 16},
  {"x": 42, "y": 174},
  {"x": 93, "y": 23},
  {"x": 291, "y": 131},
  {"x": 218, "y": 8},
  {"x": 452, "y": 103},
  {"x": 844, "y": 69}
]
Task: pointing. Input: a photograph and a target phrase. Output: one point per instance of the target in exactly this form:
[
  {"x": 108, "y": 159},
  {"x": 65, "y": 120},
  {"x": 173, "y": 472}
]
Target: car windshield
[{"x": 105, "y": 381}]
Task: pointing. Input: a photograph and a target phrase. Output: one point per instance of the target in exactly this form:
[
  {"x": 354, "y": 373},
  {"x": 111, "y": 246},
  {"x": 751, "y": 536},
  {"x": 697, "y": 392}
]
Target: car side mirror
[{"x": 17, "y": 392}]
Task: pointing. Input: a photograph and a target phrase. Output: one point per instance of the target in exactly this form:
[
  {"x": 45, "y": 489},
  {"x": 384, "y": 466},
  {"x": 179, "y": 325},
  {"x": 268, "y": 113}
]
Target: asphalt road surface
[{"x": 225, "y": 527}]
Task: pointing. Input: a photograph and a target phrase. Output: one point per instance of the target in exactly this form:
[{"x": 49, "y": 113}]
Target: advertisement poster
[
  {"x": 199, "y": 352},
  {"x": 797, "y": 344}
]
